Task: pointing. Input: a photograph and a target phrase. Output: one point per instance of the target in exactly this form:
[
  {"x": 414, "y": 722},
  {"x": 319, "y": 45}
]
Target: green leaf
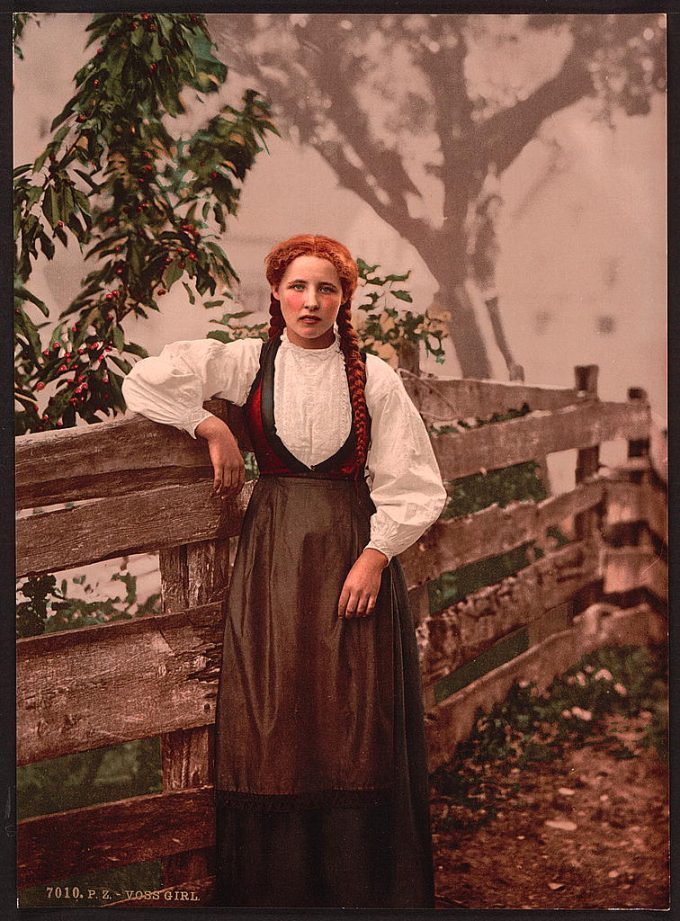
[
  {"x": 192, "y": 296},
  {"x": 402, "y": 296},
  {"x": 209, "y": 304},
  {"x": 40, "y": 161},
  {"x": 88, "y": 179},
  {"x": 26, "y": 295},
  {"x": 65, "y": 112},
  {"x": 220, "y": 335},
  {"x": 50, "y": 207},
  {"x": 136, "y": 349},
  {"x": 172, "y": 273},
  {"x": 118, "y": 338},
  {"x": 124, "y": 365}
]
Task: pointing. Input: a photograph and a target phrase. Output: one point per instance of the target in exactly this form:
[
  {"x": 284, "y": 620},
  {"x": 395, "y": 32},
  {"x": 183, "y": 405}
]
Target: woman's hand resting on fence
[
  {"x": 225, "y": 456},
  {"x": 360, "y": 591}
]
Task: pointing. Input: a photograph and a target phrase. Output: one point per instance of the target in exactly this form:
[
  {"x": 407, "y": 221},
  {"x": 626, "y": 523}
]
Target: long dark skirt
[{"x": 320, "y": 767}]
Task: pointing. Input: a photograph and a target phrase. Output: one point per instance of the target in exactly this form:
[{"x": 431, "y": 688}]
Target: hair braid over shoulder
[{"x": 356, "y": 380}]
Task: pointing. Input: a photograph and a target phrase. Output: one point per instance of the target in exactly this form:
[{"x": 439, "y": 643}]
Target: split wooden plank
[
  {"x": 112, "y": 458},
  {"x": 145, "y": 521},
  {"x": 491, "y": 447},
  {"x": 629, "y": 502},
  {"x": 111, "y": 835},
  {"x": 442, "y": 400},
  {"x": 461, "y": 632},
  {"x": 448, "y": 545},
  {"x": 628, "y": 568},
  {"x": 103, "y": 685}
]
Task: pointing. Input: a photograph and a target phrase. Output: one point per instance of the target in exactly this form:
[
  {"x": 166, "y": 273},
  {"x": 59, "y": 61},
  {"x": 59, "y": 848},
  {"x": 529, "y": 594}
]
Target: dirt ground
[{"x": 588, "y": 830}]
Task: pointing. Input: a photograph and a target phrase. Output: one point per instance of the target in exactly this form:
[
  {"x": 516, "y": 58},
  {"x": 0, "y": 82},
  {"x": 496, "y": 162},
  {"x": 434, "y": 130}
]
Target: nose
[{"x": 311, "y": 301}]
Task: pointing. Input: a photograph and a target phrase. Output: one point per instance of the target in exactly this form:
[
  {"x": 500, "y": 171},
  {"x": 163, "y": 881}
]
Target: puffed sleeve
[
  {"x": 171, "y": 387},
  {"x": 402, "y": 473}
]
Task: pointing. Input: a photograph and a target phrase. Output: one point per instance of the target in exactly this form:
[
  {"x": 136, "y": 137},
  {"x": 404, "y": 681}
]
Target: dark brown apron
[{"x": 320, "y": 774}]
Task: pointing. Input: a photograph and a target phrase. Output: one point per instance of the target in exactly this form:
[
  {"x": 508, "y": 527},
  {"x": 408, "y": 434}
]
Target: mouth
[{"x": 309, "y": 321}]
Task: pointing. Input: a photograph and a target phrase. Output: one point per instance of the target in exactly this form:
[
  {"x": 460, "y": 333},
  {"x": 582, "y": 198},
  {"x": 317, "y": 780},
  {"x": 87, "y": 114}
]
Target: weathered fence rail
[{"x": 141, "y": 487}]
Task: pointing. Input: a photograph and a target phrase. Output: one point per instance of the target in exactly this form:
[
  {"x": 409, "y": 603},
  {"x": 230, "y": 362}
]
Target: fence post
[
  {"x": 638, "y": 447},
  {"x": 191, "y": 575},
  {"x": 587, "y": 524}
]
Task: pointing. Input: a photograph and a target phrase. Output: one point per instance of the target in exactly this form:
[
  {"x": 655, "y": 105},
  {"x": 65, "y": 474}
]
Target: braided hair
[{"x": 276, "y": 263}]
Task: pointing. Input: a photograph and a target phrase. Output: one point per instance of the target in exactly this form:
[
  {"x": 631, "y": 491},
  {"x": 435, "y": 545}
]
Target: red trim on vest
[{"x": 268, "y": 461}]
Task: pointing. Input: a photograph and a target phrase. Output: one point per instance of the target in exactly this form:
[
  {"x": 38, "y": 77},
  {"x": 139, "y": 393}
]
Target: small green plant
[
  {"x": 386, "y": 324},
  {"x": 531, "y": 726},
  {"x": 47, "y": 607}
]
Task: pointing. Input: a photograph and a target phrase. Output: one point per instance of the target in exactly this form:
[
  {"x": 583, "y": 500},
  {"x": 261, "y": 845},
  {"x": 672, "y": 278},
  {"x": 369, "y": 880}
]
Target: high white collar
[{"x": 312, "y": 353}]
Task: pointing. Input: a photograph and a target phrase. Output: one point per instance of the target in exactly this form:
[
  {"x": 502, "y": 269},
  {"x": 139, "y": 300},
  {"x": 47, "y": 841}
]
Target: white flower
[
  {"x": 619, "y": 688},
  {"x": 589, "y": 668},
  {"x": 584, "y": 715},
  {"x": 566, "y": 714},
  {"x": 581, "y": 678},
  {"x": 604, "y": 675},
  {"x": 524, "y": 684}
]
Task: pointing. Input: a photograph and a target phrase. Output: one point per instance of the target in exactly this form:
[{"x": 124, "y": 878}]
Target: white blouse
[{"x": 313, "y": 415}]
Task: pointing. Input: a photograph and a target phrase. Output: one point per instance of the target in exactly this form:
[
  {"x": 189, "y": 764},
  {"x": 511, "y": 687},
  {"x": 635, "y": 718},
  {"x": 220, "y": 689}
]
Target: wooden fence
[{"x": 138, "y": 486}]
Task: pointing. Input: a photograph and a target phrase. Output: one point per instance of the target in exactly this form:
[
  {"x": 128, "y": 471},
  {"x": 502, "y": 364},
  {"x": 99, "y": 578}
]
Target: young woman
[{"x": 321, "y": 787}]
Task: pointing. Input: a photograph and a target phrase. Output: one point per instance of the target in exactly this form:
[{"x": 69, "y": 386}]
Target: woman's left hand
[{"x": 361, "y": 587}]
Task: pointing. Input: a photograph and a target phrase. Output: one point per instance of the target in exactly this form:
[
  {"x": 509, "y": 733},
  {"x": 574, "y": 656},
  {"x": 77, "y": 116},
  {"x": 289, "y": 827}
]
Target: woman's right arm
[{"x": 170, "y": 388}]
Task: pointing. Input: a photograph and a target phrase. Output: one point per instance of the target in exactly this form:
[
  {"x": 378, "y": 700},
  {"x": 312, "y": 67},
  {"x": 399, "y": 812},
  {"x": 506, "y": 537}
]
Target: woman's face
[{"x": 310, "y": 294}]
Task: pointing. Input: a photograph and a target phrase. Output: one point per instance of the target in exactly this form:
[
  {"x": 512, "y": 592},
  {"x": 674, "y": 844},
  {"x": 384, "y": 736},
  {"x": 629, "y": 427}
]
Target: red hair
[{"x": 276, "y": 263}]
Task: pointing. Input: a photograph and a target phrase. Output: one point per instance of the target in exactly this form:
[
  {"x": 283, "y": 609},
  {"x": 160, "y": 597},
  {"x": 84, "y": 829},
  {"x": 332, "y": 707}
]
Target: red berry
[
  {"x": 95, "y": 83},
  {"x": 72, "y": 401},
  {"x": 81, "y": 118},
  {"x": 59, "y": 423},
  {"x": 133, "y": 26},
  {"x": 40, "y": 386},
  {"x": 74, "y": 329},
  {"x": 82, "y": 350},
  {"x": 153, "y": 68},
  {"x": 193, "y": 257},
  {"x": 110, "y": 220},
  {"x": 63, "y": 368},
  {"x": 100, "y": 51},
  {"x": 213, "y": 175},
  {"x": 45, "y": 418},
  {"x": 55, "y": 345},
  {"x": 46, "y": 352},
  {"x": 161, "y": 292}
]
